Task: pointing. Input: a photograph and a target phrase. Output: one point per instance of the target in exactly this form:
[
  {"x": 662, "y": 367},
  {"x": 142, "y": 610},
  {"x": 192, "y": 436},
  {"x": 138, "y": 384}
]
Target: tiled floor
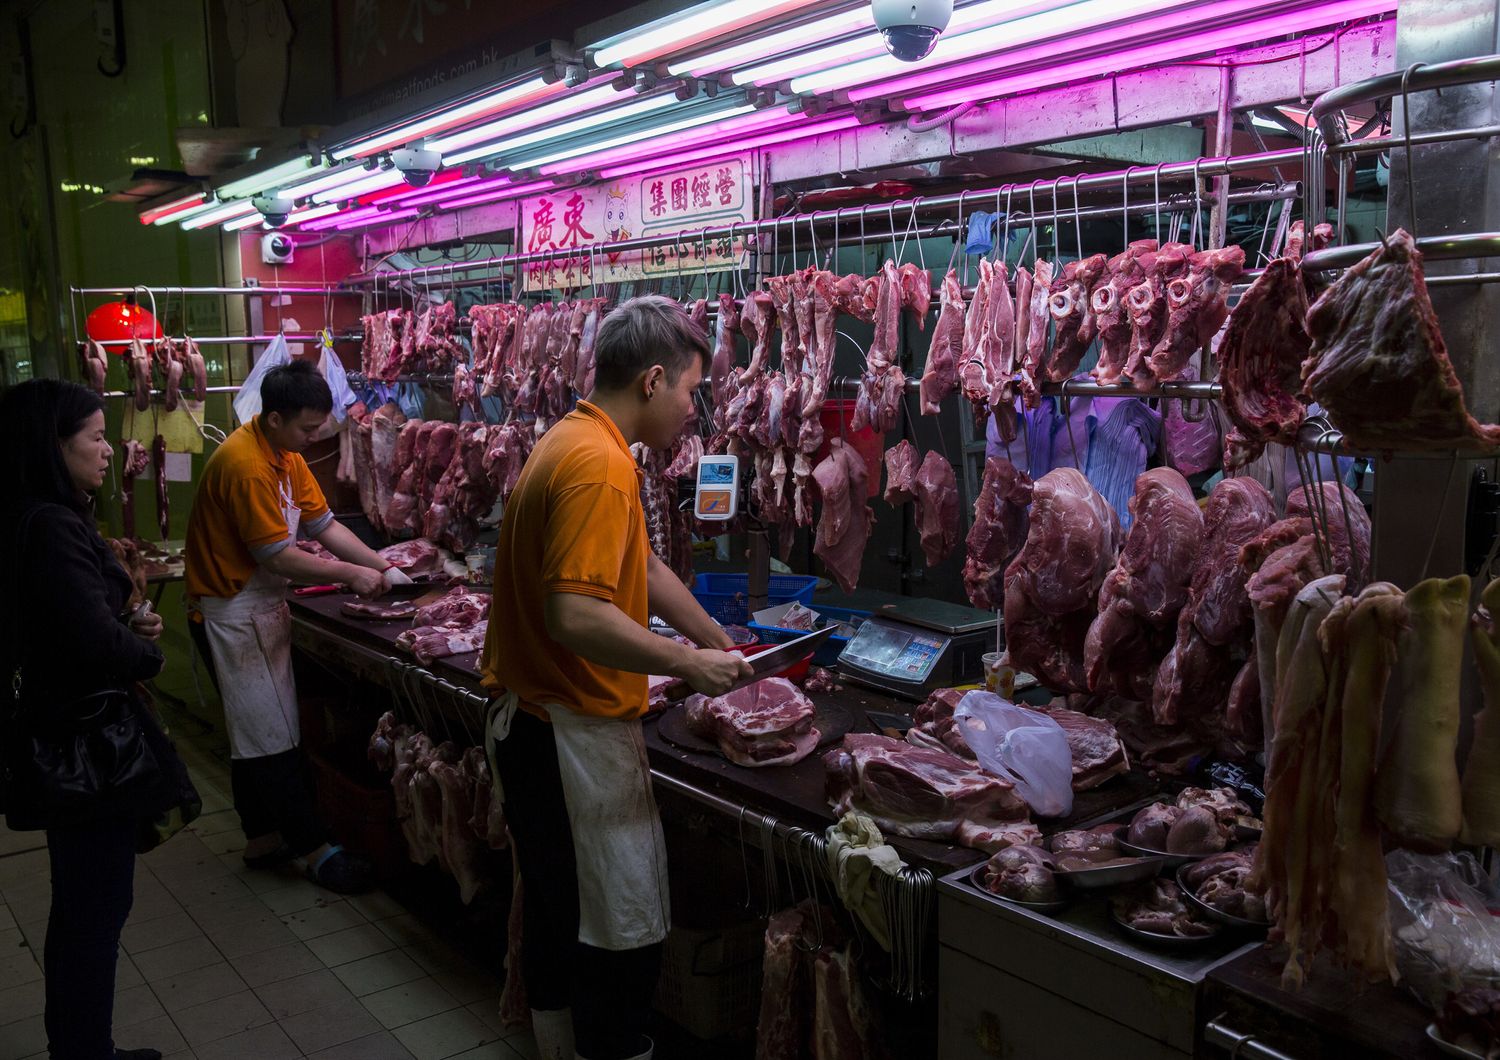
[{"x": 221, "y": 963}]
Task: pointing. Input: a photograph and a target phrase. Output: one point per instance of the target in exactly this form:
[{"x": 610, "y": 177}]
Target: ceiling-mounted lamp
[
  {"x": 645, "y": 133},
  {"x": 529, "y": 90},
  {"x": 686, "y": 28},
  {"x": 510, "y": 191},
  {"x": 224, "y": 212},
  {"x": 160, "y": 215},
  {"x": 609, "y": 115},
  {"x": 379, "y": 180},
  {"x": 273, "y": 177},
  {"x": 653, "y": 160},
  {"x": 572, "y": 104},
  {"x": 790, "y": 39}
]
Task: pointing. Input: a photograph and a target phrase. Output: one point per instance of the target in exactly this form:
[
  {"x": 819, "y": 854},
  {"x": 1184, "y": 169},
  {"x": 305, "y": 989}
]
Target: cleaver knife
[{"x": 767, "y": 663}]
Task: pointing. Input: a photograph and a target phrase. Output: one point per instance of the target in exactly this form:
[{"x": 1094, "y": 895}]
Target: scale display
[
  {"x": 900, "y": 654},
  {"x": 717, "y": 494},
  {"x": 910, "y": 660}
]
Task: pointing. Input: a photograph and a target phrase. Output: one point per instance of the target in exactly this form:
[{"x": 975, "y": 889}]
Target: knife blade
[{"x": 767, "y": 663}]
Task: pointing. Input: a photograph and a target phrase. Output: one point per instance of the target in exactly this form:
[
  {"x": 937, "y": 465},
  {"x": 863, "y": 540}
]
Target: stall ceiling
[{"x": 725, "y": 75}]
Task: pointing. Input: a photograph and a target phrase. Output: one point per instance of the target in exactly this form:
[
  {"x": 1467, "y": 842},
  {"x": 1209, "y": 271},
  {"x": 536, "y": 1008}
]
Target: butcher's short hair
[
  {"x": 290, "y": 388},
  {"x": 642, "y": 332}
]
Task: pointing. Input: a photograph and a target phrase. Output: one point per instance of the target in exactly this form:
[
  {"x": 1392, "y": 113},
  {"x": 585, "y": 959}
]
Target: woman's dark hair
[
  {"x": 644, "y": 331},
  {"x": 35, "y": 418},
  {"x": 290, "y": 388}
]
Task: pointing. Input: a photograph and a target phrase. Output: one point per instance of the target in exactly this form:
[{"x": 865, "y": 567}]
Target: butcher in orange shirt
[{"x": 568, "y": 650}]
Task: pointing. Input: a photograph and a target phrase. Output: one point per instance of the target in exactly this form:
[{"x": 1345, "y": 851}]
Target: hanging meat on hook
[
  {"x": 722, "y": 363},
  {"x": 883, "y": 384},
  {"x": 140, "y": 374},
  {"x": 169, "y": 354},
  {"x": 95, "y": 363},
  {"x": 133, "y": 460},
  {"x": 1146, "y": 303},
  {"x": 999, "y": 530},
  {"x": 1111, "y": 313},
  {"x": 1031, "y": 344},
  {"x": 1070, "y": 304},
  {"x": 940, "y": 375},
  {"x": 159, "y": 458},
  {"x": 1197, "y": 305}
]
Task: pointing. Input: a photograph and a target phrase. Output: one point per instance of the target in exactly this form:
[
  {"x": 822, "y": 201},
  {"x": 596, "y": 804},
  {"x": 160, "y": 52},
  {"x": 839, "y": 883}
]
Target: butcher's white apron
[
  {"x": 250, "y": 635},
  {"x": 618, "y": 844}
]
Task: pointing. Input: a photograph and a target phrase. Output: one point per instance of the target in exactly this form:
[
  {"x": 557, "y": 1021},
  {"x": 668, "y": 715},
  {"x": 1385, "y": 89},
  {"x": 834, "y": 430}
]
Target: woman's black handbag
[{"x": 89, "y": 754}]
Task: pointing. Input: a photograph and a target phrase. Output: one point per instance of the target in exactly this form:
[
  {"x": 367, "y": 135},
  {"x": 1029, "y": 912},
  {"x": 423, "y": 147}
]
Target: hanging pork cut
[
  {"x": 1260, "y": 363},
  {"x": 925, "y": 794},
  {"x": 1052, "y": 585},
  {"x": 941, "y": 375},
  {"x": 1197, "y": 305},
  {"x": 1124, "y": 271},
  {"x": 936, "y": 490},
  {"x": 1378, "y": 364},
  {"x": 1070, "y": 304},
  {"x": 1215, "y": 625},
  {"x": 846, "y": 521},
  {"x": 1031, "y": 337},
  {"x": 1147, "y": 306},
  {"x": 1001, "y": 518},
  {"x": 1142, "y": 596},
  {"x": 900, "y": 473}
]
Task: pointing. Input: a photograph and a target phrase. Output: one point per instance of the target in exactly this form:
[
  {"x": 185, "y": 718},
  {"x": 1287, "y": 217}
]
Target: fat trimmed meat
[{"x": 768, "y": 723}]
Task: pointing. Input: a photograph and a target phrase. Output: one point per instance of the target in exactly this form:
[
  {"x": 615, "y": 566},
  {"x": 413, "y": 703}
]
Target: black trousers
[
  {"x": 93, "y": 877},
  {"x": 273, "y": 793},
  {"x": 609, "y": 991}
]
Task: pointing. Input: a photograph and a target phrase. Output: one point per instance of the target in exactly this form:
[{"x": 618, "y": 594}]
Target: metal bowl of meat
[
  {"x": 1215, "y": 887},
  {"x": 1092, "y": 859},
  {"x": 1157, "y": 914},
  {"x": 1198, "y": 824},
  {"x": 1022, "y": 876}
]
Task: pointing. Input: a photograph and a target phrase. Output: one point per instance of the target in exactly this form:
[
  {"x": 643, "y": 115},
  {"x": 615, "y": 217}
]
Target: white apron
[
  {"x": 618, "y": 844},
  {"x": 250, "y": 635}
]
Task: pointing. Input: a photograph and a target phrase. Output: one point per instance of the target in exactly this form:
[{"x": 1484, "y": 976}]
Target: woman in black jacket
[{"x": 69, "y": 636}]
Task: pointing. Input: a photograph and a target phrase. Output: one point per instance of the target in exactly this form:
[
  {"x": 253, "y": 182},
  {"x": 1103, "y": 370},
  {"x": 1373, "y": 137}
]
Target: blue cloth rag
[{"x": 981, "y": 237}]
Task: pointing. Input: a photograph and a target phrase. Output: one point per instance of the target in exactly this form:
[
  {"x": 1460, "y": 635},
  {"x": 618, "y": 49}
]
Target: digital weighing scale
[{"x": 914, "y": 647}]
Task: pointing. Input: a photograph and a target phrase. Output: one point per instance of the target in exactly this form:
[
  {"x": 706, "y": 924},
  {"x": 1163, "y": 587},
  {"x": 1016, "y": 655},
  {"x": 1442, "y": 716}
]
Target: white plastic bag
[
  {"x": 1445, "y": 937},
  {"x": 1022, "y": 746},
  {"x": 247, "y": 400},
  {"x": 338, "y": 381}
]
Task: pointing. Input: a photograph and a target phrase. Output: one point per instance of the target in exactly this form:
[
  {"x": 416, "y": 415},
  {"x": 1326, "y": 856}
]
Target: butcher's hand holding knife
[
  {"x": 357, "y": 566},
  {"x": 603, "y": 634}
]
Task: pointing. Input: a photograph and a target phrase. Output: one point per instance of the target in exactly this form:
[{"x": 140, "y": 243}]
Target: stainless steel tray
[
  {"x": 1104, "y": 876},
  {"x": 1227, "y": 919},
  {"x": 1036, "y": 907},
  {"x": 1166, "y": 942}
]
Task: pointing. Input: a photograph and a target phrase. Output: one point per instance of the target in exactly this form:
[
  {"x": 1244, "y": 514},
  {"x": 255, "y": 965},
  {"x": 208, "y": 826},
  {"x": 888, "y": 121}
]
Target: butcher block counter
[{"x": 792, "y": 794}]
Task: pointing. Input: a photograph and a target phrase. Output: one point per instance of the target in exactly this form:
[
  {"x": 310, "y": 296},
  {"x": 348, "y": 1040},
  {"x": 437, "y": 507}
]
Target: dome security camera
[
  {"x": 274, "y": 208},
  {"x": 417, "y": 165},
  {"x": 911, "y": 28},
  {"x": 276, "y": 248}
]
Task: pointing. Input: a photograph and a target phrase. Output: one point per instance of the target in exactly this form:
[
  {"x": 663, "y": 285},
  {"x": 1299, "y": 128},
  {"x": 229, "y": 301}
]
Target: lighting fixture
[
  {"x": 567, "y": 128},
  {"x": 159, "y": 215},
  {"x": 736, "y": 127},
  {"x": 312, "y": 213},
  {"x": 243, "y": 222},
  {"x": 270, "y": 178},
  {"x": 574, "y": 103},
  {"x": 446, "y": 181},
  {"x": 870, "y": 46},
  {"x": 376, "y": 181},
  {"x": 399, "y": 215},
  {"x": 527, "y": 91},
  {"x": 1118, "y": 56},
  {"x": 225, "y": 212},
  {"x": 654, "y": 161},
  {"x": 342, "y": 217},
  {"x": 687, "y": 28},
  {"x": 631, "y": 137},
  {"x": 328, "y": 178},
  {"x": 510, "y": 191},
  {"x": 779, "y": 43}
]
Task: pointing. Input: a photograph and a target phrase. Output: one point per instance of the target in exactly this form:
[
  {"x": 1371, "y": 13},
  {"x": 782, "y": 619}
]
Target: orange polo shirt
[
  {"x": 237, "y": 511},
  {"x": 574, "y": 524}
]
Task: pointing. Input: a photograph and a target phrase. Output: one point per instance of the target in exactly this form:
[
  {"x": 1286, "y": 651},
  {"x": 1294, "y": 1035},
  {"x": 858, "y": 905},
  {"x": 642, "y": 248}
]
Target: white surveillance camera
[
  {"x": 911, "y": 28},
  {"x": 274, "y": 208},
  {"x": 276, "y": 248},
  {"x": 417, "y": 165}
]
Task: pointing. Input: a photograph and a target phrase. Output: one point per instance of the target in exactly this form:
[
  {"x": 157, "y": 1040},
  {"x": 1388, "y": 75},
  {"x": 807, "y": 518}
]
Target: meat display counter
[{"x": 1013, "y": 982}]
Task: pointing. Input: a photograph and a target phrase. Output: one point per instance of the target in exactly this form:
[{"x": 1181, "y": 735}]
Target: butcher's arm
[
  {"x": 597, "y": 630},
  {"x": 674, "y": 604},
  {"x": 342, "y": 542},
  {"x": 298, "y": 566}
]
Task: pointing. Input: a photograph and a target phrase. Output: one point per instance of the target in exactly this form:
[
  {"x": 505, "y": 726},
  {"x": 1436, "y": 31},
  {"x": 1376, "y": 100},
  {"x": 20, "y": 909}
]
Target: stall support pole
[
  {"x": 1218, "y": 218},
  {"x": 759, "y": 580}
]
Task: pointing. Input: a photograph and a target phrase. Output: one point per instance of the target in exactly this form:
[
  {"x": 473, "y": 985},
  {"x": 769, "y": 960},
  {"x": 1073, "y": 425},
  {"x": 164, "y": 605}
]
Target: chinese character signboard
[{"x": 681, "y": 201}]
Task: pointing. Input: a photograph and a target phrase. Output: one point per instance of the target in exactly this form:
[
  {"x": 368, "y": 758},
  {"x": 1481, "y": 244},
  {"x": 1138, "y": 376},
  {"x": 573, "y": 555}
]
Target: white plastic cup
[{"x": 999, "y": 675}]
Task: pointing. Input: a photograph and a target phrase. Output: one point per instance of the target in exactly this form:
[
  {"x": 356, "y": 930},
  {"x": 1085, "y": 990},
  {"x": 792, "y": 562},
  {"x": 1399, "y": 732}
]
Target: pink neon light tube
[
  {"x": 743, "y": 123},
  {"x": 686, "y": 29},
  {"x": 1129, "y": 57},
  {"x": 171, "y": 209},
  {"x": 389, "y": 218},
  {"x": 648, "y": 163},
  {"x": 756, "y": 49},
  {"x": 529, "y": 91},
  {"x": 571, "y": 105},
  {"x": 512, "y": 191},
  {"x": 417, "y": 197},
  {"x": 447, "y": 179},
  {"x": 335, "y": 219}
]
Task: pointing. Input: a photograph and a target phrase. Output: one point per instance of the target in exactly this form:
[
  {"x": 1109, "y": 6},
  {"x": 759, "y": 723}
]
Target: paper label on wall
[{"x": 679, "y": 201}]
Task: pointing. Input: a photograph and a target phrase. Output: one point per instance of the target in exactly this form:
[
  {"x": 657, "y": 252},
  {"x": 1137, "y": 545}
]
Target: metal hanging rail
[
  {"x": 1058, "y": 187},
  {"x": 1327, "y": 109},
  {"x": 1433, "y": 248},
  {"x": 256, "y": 291},
  {"x": 1320, "y": 437},
  {"x": 238, "y": 340}
]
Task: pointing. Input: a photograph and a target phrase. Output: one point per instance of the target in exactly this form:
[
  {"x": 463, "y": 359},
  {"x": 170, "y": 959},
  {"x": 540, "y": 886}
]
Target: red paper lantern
[{"x": 115, "y": 321}]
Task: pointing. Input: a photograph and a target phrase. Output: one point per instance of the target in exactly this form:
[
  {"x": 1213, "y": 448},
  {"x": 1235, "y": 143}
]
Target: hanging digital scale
[
  {"x": 717, "y": 495},
  {"x": 914, "y": 647}
]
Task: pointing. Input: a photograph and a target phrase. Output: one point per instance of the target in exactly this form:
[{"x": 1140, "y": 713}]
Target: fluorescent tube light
[
  {"x": 775, "y": 43},
  {"x": 564, "y": 129},
  {"x": 160, "y": 215},
  {"x": 687, "y": 28},
  {"x": 377, "y": 181},
  {"x": 653, "y": 161},
  {"x": 738, "y": 126},
  {"x": 267, "y": 179},
  {"x": 528, "y": 91},
  {"x": 630, "y": 137},
  {"x": 576, "y": 103},
  {"x": 510, "y": 191},
  {"x": 225, "y": 212}
]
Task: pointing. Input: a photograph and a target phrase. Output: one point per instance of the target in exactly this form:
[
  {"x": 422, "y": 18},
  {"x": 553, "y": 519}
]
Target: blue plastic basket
[
  {"x": 832, "y": 648},
  {"x": 726, "y": 596}
]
